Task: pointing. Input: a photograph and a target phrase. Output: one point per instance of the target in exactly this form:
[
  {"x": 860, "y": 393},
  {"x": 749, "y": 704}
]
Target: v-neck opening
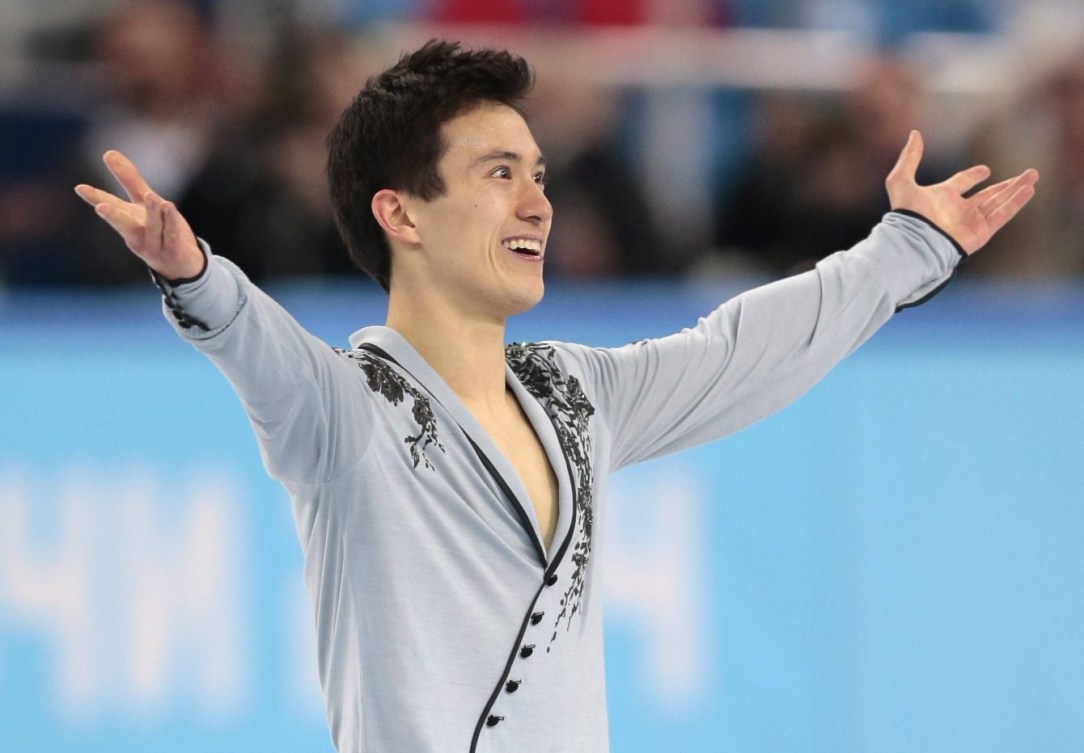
[
  {"x": 400, "y": 348},
  {"x": 547, "y": 438}
]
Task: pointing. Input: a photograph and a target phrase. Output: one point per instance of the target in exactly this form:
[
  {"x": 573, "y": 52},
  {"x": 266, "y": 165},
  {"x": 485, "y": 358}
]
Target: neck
[{"x": 467, "y": 351}]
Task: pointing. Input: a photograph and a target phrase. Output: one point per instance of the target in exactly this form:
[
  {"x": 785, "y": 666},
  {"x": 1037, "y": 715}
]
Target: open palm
[{"x": 970, "y": 221}]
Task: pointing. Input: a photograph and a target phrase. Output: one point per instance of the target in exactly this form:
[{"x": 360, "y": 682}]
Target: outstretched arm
[
  {"x": 302, "y": 399},
  {"x": 761, "y": 350},
  {"x": 150, "y": 226}
]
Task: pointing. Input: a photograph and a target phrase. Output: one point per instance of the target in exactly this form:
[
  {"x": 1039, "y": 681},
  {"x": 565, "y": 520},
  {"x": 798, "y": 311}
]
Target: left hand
[{"x": 971, "y": 221}]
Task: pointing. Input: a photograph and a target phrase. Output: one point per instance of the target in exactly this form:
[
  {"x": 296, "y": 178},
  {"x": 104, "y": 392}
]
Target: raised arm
[
  {"x": 303, "y": 400},
  {"x": 761, "y": 350}
]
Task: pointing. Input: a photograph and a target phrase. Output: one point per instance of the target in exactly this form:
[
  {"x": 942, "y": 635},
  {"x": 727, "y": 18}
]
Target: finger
[
  {"x": 95, "y": 196},
  {"x": 1008, "y": 209},
  {"x": 153, "y": 235},
  {"x": 990, "y": 203},
  {"x": 965, "y": 180},
  {"x": 907, "y": 164},
  {"x": 89, "y": 194},
  {"x": 127, "y": 226},
  {"x": 991, "y": 191},
  {"x": 174, "y": 227},
  {"x": 127, "y": 175}
]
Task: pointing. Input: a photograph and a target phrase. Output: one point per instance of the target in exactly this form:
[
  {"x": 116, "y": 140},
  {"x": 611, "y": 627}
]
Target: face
[{"x": 484, "y": 239}]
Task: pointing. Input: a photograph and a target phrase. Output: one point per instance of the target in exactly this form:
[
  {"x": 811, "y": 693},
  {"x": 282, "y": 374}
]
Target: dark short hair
[{"x": 390, "y": 135}]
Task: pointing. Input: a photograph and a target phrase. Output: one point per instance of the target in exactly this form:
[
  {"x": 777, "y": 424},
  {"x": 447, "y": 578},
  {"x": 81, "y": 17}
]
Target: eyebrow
[{"x": 507, "y": 156}]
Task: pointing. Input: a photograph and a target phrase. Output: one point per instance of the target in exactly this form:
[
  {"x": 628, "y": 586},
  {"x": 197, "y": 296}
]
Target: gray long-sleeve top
[{"x": 442, "y": 623}]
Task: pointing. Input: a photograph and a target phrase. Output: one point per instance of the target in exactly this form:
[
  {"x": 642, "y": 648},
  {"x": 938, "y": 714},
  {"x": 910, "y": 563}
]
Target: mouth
[{"x": 528, "y": 248}]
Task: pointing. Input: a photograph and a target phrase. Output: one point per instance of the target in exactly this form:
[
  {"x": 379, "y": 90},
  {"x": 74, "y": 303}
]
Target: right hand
[{"x": 151, "y": 227}]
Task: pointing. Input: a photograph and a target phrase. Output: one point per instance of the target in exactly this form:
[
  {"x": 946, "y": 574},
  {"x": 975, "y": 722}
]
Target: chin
[{"x": 525, "y": 299}]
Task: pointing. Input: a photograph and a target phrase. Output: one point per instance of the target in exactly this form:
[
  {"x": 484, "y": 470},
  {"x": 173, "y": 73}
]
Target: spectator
[
  {"x": 755, "y": 223},
  {"x": 605, "y": 224},
  {"x": 815, "y": 182},
  {"x": 37, "y": 216},
  {"x": 170, "y": 94},
  {"x": 262, "y": 197},
  {"x": 1045, "y": 126},
  {"x": 165, "y": 94}
]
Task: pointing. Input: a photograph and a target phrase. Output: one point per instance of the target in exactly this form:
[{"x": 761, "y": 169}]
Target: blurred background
[{"x": 893, "y": 564}]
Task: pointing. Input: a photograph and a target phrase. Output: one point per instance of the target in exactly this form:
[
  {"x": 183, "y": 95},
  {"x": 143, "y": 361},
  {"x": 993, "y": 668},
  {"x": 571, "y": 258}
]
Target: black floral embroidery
[
  {"x": 570, "y": 411},
  {"x": 384, "y": 380}
]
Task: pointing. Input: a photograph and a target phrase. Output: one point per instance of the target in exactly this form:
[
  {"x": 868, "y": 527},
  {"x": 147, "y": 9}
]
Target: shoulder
[
  {"x": 552, "y": 372},
  {"x": 377, "y": 373},
  {"x": 540, "y": 363}
]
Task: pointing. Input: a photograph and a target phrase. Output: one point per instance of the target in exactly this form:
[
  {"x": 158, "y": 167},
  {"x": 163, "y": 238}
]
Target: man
[{"x": 447, "y": 489}]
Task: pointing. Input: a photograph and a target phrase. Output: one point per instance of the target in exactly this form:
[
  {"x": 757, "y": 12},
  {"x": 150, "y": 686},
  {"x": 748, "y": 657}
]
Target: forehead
[{"x": 487, "y": 128}]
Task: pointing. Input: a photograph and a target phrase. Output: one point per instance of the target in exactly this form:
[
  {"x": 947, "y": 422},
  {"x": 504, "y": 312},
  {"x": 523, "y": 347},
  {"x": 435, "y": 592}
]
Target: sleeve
[
  {"x": 303, "y": 400},
  {"x": 761, "y": 350}
]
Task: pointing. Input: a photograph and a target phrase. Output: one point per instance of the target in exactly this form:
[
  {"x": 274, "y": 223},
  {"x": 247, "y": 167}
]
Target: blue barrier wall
[{"x": 891, "y": 564}]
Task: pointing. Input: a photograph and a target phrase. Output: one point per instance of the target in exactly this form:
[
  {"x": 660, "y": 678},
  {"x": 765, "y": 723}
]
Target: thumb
[{"x": 902, "y": 174}]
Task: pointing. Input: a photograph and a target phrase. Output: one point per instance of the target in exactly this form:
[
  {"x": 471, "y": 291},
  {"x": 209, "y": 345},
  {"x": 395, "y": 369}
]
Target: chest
[{"x": 518, "y": 442}]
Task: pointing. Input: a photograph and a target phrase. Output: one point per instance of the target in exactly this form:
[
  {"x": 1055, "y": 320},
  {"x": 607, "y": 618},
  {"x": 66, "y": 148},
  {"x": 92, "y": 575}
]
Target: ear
[{"x": 391, "y": 212}]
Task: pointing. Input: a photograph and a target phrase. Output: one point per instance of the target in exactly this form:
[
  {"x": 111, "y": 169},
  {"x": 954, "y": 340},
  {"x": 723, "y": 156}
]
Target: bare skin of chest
[{"x": 515, "y": 437}]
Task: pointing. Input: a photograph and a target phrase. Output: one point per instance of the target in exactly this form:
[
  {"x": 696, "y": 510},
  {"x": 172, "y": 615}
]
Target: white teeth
[{"x": 524, "y": 244}]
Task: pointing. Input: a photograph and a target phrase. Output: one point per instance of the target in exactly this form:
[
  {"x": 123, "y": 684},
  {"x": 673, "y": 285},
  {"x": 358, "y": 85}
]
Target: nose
[{"x": 533, "y": 205}]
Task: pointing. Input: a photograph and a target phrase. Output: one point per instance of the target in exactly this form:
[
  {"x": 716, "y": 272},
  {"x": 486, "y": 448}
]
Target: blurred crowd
[{"x": 232, "y": 128}]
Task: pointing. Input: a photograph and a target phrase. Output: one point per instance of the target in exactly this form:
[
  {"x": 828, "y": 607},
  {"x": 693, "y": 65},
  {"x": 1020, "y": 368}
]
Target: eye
[
  {"x": 502, "y": 172},
  {"x": 540, "y": 179}
]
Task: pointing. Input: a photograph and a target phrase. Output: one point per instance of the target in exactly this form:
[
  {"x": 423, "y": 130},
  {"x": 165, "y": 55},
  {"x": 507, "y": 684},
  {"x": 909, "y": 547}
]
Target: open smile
[{"x": 530, "y": 248}]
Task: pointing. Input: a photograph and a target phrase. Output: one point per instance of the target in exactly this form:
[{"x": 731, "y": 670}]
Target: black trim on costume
[
  {"x": 521, "y": 512},
  {"x": 166, "y": 288},
  {"x": 186, "y": 280},
  {"x": 951, "y": 277},
  {"x": 512, "y": 656},
  {"x": 385, "y": 380},
  {"x": 549, "y": 578},
  {"x": 569, "y": 411},
  {"x": 928, "y": 296},
  {"x": 549, "y": 574},
  {"x": 935, "y": 226},
  {"x": 560, "y": 555}
]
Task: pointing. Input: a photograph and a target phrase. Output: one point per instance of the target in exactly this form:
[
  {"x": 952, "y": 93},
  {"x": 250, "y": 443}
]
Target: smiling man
[{"x": 447, "y": 488}]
